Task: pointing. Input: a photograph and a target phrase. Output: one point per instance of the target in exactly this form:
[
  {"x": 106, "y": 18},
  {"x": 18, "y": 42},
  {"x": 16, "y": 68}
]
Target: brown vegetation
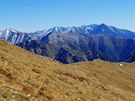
[{"x": 25, "y": 76}]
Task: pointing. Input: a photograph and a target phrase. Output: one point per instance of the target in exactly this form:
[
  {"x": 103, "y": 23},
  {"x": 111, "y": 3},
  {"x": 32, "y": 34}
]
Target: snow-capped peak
[{"x": 11, "y": 30}]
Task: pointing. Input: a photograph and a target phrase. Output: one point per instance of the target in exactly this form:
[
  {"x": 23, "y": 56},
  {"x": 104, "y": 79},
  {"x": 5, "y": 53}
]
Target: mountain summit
[
  {"x": 75, "y": 44},
  {"x": 94, "y": 29}
]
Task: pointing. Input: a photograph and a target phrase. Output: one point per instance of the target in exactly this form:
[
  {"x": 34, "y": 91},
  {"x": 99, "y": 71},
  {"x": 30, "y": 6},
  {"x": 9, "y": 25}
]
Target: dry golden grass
[{"x": 25, "y": 76}]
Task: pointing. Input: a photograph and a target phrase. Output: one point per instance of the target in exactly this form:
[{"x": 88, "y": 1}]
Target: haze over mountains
[{"x": 75, "y": 44}]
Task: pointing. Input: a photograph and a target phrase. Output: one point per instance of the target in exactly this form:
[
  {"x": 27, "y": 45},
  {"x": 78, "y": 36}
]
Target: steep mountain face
[
  {"x": 94, "y": 29},
  {"x": 10, "y": 34},
  {"x": 25, "y": 76},
  {"x": 131, "y": 57},
  {"x": 16, "y": 37},
  {"x": 69, "y": 48},
  {"x": 74, "y": 44},
  {"x": 104, "y": 29},
  {"x": 40, "y": 48}
]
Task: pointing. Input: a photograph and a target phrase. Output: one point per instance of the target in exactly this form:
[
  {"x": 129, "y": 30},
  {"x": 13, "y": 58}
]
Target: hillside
[
  {"x": 70, "y": 48},
  {"x": 25, "y": 76},
  {"x": 77, "y": 44}
]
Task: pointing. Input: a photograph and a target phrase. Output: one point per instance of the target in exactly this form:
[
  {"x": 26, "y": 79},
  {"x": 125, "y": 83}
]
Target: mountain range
[
  {"x": 75, "y": 44},
  {"x": 25, "y": 76}
]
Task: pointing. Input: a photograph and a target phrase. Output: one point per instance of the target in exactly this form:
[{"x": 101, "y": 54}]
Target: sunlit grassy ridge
[{"x": 25, "y": 76}]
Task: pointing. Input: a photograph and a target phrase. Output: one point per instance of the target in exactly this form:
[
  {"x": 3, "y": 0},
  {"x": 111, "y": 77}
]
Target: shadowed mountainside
[
  {"x": 76, "y": 44},
  {"x": 25, "y": 76},
  {"x": 70, "y": 48}
]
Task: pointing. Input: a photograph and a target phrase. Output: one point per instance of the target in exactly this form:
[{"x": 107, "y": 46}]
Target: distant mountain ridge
[
  {"x": 94, "y": 29},
  {"x": 74, "y": 44},
  {"x": 9, "y": 34},
  {"x": 74, "y": 48},
  {"x": 14, "y": 36}
]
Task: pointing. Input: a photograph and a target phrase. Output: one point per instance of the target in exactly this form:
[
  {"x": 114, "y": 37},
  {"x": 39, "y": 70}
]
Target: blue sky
[{"x": 33, "y": 15}]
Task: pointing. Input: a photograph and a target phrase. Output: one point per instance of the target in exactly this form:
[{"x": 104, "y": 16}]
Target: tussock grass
[{"x": 25, "y": 76}]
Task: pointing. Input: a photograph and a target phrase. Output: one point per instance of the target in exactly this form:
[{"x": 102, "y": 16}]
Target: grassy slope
[{"x": 25, "y": 76}]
